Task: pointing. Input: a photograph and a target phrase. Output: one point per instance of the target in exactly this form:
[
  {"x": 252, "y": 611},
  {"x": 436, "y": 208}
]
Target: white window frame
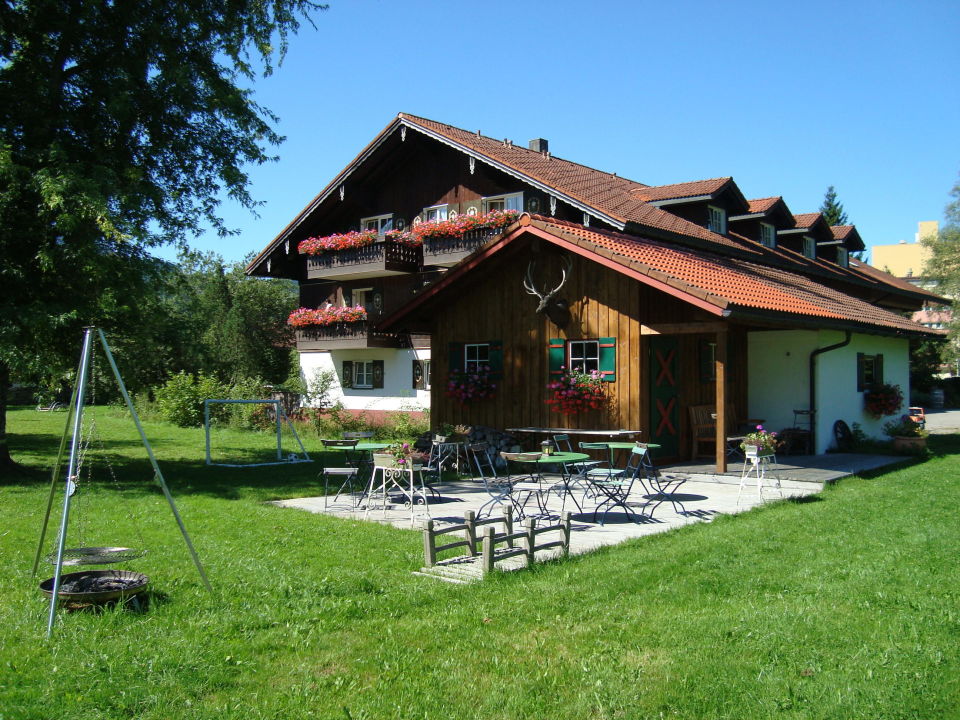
[
  {"x": 510, "y": 201},
  {"x": 363, "y": 369},
  {"x": 366, "y": 294},
  {"x": 768, "y": 235},
  {"x": 809, "y": 247},
  {"x": 383, "y": 223},
  {"x": 426, "y": 374},
  {"x": 480, "y": 353},
  {"x": 439, "y": 210},
  {"x": 716, "y": 219},
  {"x": 587, "y": 351}
]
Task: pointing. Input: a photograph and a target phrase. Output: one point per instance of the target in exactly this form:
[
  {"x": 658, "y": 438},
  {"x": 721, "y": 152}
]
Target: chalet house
[{"x": 440, "y": 253}]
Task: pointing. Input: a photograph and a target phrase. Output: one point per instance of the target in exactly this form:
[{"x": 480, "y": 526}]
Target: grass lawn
[{"x": 845, "y": 605}]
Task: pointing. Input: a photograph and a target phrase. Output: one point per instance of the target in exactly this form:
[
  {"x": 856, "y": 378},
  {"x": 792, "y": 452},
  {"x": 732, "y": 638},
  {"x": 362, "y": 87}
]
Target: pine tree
[{"x": 832, "y": 210}]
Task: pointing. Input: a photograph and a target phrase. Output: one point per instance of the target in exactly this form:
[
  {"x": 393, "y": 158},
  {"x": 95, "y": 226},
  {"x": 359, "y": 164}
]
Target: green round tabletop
[
  {"x": 556, "y": 457},
  {"x": 369, "y": 446},
  {"x": 630, "y": 445}
]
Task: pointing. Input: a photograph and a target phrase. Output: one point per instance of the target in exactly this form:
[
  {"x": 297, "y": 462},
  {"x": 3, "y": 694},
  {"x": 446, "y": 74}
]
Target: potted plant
[
  {"x": 400, "y": 455},
  {"x": 760, "y": 443},
  {"x": 907, "y": 435},
  {"x": 575, "y": 392},
  {"x": 882, "y": 400}
]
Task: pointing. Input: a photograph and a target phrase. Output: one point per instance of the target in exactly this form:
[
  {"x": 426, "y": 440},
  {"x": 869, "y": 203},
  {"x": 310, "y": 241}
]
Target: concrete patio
[{"x": 702, "y": 497}]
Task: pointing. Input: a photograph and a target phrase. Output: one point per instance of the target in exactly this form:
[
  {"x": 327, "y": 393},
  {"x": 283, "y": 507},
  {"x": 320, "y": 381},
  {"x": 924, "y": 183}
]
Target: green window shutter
[
  {"x": 878, "y": 369},
  {"x": 346, "y": 377},
  {"x": 455, "y": 358},
  {"x": 557, "y": 356},
  {"x": 378, "y": 373},
  {"x": 860, "y": 384},
  {"x": 608, "y": 359},
  {"x": 496, "y": 358},
  {"x": 418, "y": 380}
]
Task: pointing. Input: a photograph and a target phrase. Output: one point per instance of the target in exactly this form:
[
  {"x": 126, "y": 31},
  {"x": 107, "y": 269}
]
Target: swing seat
[{"x": 96, "y": 555}]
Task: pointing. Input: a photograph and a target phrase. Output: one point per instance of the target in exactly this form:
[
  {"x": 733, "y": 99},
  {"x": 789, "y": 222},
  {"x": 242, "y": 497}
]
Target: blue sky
[{"x": 788, "y": 98}]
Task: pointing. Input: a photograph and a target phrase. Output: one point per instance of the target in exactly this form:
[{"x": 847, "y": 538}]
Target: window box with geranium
[
  {"x": 446, "y": 242},
  {"x": 361, "y": 254},
  {"x": 322, "y": 317},
  {"x": 574, "y": 392},
  {"x": 882, "y": 400},
  {"x": 475, "y": 383}
]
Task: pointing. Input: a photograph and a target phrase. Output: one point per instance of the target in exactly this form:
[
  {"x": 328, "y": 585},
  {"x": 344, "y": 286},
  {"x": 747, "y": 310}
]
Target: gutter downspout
[{"x": 813, "y": 385}]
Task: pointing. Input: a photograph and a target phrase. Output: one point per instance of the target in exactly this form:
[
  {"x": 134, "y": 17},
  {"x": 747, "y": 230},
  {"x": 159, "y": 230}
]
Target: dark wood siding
[{"x": 603, "y": 303}]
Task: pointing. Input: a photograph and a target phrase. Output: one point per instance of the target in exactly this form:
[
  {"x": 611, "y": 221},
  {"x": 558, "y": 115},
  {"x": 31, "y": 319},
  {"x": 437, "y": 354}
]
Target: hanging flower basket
[
  {"x": 307, "y": 317},
  {"x": 882, "y": 400},
  {"x": 575, "y": 392},
  {"x": 467, "y": 386}
]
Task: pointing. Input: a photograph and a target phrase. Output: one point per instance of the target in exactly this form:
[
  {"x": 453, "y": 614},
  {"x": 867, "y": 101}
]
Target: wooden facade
[{"x": 603, "y": 304}]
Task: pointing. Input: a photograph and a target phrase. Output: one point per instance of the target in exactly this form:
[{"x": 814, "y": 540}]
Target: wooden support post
[
  {"x": 508, "y": 524},
  {"x": 486, "y": 563},
  {"x": 567, "y": 515},
  {"x": 469, "y": 520},
  {"x": 720, "y": 360},
  {"x": 429, "y": 547},
  {"x": 530, "y": 526}
]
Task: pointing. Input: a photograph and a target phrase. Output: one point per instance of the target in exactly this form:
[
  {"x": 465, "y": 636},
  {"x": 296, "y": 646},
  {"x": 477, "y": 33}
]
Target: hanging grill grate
[{"x": 96, "y": 555}]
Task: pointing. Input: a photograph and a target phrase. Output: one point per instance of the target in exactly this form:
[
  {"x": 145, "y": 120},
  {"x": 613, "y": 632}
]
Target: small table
[
  {"x": 444, "y": 453},
  {"x": 555, "y": 458}
]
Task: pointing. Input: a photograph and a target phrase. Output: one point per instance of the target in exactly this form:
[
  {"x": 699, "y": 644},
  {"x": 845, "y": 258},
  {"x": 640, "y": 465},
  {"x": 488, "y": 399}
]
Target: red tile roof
[
  {"x": 606, "y": 192},
  {"x": 730, "y": 283},
  {"x": 681, "y": 190},
  {"x": 807, "y": 220},
  {"x": 761, "y": 205}
]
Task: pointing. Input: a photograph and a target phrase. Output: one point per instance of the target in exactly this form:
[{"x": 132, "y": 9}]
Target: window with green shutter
[{"x": 598, "y": 355}]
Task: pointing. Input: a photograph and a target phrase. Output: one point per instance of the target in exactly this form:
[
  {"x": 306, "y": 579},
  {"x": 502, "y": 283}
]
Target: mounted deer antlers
[{"x": 554, "y": 308}]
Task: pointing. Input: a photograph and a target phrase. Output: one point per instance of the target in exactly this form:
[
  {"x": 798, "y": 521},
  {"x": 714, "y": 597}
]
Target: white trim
[
  {"x": 716, "y": 213},
  {"x": 765, "y": 240},
  {"x": 381, "y": 227}
]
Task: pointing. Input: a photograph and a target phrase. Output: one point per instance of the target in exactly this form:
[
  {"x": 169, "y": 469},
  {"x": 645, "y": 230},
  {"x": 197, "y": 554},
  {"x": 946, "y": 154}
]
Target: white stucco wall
[
  {"x": 778, "y": 371},
  {"x": 397, "y": 392}
]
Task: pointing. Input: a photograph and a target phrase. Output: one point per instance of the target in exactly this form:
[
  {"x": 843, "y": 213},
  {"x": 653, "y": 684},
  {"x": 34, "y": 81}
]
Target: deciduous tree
[{"x": 121, "y": 126}]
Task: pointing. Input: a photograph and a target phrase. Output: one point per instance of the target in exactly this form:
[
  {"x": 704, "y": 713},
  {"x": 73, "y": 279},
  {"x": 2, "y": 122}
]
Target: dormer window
[
  {"x": 378, "y": 223},
  {"x": 809, "y": 247},
  {"x": 768, "y": 235},
  {"x": 513, "y": 201},
  {"x": 843, "y": 257},
  {"x": 717, "y": 220}
]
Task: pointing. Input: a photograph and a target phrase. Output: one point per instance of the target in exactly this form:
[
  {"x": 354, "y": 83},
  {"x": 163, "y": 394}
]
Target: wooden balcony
[
  {"x": 377, "y": 260},
  {"x": 344, "y": 336},
  {"x": 451, "y": 250}
]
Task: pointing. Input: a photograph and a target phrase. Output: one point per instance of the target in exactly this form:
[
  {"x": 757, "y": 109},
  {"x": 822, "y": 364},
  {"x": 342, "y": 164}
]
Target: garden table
[{"x": 538, "y": 461}]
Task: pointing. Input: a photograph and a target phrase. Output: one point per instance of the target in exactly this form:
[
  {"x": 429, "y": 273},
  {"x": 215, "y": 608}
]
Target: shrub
[{"x": 180, "y": 399}]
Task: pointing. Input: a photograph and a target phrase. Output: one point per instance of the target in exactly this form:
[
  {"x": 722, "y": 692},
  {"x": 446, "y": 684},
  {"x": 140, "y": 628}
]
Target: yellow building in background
[{"x": 906, "y": 260}]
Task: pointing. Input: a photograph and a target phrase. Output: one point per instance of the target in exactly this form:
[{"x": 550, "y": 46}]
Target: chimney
[{"x": 538, "y": 145}]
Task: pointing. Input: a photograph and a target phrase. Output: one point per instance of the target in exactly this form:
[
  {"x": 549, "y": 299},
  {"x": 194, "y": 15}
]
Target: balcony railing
[
  {"x": 381, "y": 258},
  {"x": 344, "y": 336},
  {"x": 451, "y": 250}
]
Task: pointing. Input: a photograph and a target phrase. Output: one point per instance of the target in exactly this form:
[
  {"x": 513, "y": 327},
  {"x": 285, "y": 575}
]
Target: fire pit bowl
[{"x": 97, "y": 586}]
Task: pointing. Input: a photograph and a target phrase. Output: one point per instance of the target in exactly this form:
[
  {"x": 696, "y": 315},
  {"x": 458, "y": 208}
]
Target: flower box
[{"x": 383, "y": 257}]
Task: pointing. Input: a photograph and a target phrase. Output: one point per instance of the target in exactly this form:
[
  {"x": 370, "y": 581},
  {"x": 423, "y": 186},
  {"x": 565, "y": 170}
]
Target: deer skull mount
[{"x": 557, "y": 309}]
